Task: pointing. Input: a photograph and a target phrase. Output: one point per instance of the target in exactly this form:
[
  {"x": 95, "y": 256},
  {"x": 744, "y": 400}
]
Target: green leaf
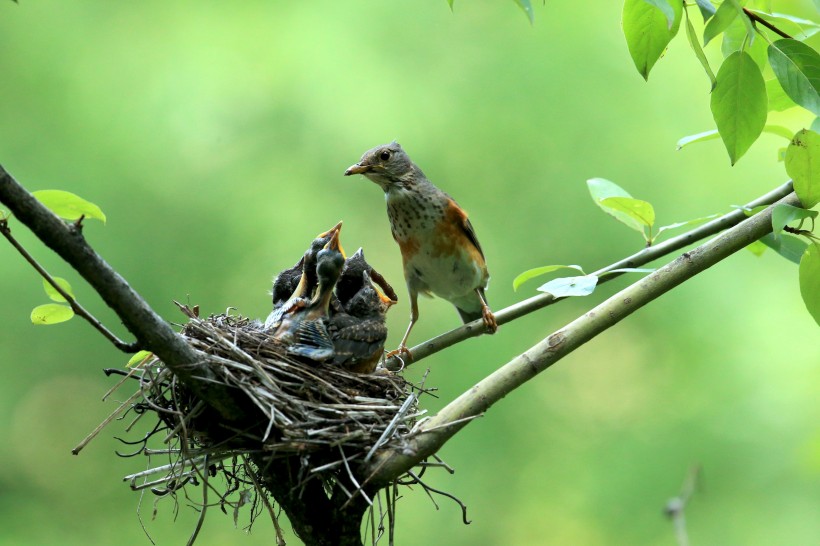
[
  {"x": 799, "y": 29},
  {"x": 736, "y": 38},
  {"x": 779, "y": 131},
  {"x": 138, "y": 358},
  {"x": 52, "y": 292},
  {"x": 450, "y": 3},
  {"x": 700, "y": 137},
  {"x": 647, "y": 32},
  {"x": 803, "y": 165},
  {"x": 691, "y": 222},
  {"x": 788, "y": 246},
  {"x": 784, "y": 214},
  {"x": 51, "y": 313},
  {"x": 815, "y": 125},
  {"x": 778, "y": 99},
  {"x": 723, "y": 17},
  {"x": 797, "y": 67},
  {"x": 600, "y": 189},
  {"x": 707, "y": 9},
  {"x": 757, "y": 248},
  {"x": 538, "y": 271},
  {"x": 570, "y": 286},
  {"x": 642, "y": 211},
  {"x": 809, "y": 275},
  {"x": 665, "y": 8},
  {"x": 68, "y": 206},
  {"x": 739, "y": 103},
  {"x": 694, "y": 43},
  {"x": 750, "y": 29},
  {"x": 527, "y": 7}
]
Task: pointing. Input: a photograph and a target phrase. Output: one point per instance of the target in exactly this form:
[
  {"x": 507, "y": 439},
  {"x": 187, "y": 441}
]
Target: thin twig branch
[
  {"x": 150, "y": 330},
  {"x": 391, "y": 463},
  {"x": 75, "y": 306},
  {"x": 643, "y": 257},
  {"x": 758, "y": 19}
]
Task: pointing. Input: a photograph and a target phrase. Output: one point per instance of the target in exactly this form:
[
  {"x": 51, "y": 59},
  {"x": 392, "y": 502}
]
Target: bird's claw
[
  {"x": 489, "y": 320},
  {"x": 398, "y": 353}
]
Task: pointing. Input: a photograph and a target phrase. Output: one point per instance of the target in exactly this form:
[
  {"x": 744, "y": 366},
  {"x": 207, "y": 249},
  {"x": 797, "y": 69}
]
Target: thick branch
[
  {"x": 389, "y": 464},
  {"x": 638, "y": 259},
  {"x": 151, "y": 331}
]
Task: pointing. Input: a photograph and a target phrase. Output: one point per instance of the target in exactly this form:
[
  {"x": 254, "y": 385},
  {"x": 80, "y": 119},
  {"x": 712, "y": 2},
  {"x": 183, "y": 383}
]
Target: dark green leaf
[
  {"x": 538, "y": 271},
  {"x": 803, "y": 165},
  {"x": 810, "y": 280},
  {"x": 707, "y": 9},
  {"x": 601, "y": 189},
  {"x": 527, "y": 7},
  {"x": 692, "y": 36},
  {"x": 797, "y": 67},
  {"x": 739, "y": 103},
  {"x": 723, "y": 17},
  {"x": 570, "y": 286},
  {"x": 665, "y": 8},
  {"x": 642, "y": 211},
  {"x": 784, "y": 214},
  {"x": 51, "y": 313},
  {"x": 788, "y": 246},
  {"x": 700, "y": 137},
  {"x": 52, "y": 292},
  {"x": 68, "y": 206},
  {"x": 647, "y": 32}
]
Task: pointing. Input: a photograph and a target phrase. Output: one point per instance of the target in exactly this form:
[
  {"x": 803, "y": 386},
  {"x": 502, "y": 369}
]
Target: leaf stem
[{"x": 758, "y": 19}]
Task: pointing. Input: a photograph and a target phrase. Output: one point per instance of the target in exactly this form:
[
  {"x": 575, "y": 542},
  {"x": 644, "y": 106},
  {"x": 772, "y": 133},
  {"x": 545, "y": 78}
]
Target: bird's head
[{"x": 386, "y": 165}]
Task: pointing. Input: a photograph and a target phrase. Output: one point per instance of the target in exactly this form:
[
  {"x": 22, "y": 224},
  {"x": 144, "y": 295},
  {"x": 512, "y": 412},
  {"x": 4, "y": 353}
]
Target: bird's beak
[
  {"x": 337, "y": 227},
  {"x": 334, "y": 244},
  {"x": 358, "y": 168}
]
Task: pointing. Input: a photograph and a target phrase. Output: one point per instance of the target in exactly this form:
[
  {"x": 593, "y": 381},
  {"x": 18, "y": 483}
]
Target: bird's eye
[{"x": 385, "y": 155}]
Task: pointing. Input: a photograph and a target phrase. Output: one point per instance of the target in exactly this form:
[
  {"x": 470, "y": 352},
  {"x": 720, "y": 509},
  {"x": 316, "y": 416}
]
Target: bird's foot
[
  {"x": 400, "y": 353},
  {"x": 489, "y": 320}
]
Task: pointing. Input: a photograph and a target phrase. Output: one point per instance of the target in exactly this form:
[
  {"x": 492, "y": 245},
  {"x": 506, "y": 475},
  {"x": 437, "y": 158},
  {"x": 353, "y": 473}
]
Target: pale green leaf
[
  {"x": 739, "y": 103},
  {"x": 51, "y": 313},
  {"x": 736, "y": 38},
  {"x": 642, "y": 211},
  {"x": 723, "y": 17},
  {"x": 52, "y": 292},
  {"x": 647, "y": 32},
  {"x": 68, "y": 206},
  {"x": 778, "y": 99},
  {"x": 815, "y": 125},
  {"x": 779, "y": 130},
  {"x": 803, "y": 165},
  {"x": 600, "y": 189},
  {"x": 527, "y": 7},
  {"x": 750, "y": 29},
  {"x": 784, "y": 214},
  {"x": 691, "y": 222},
  {"x": 138, "y": 358},
  {"x": 570, "y": 286},
  {"x": 707, "y": 9},
  {"x": 699, "y": 137},
  {"x": 797, "y": 67},
  {"x": 538, "y": 271},
  {"x": 757, "y": 248},
  {"x": 665, "y": 8},
  {"x": 796, "y": 27},
  {"x": 694, "y": 43},
  {"x": 810, "y": 280},
  {"x": 788, "y": 246}
]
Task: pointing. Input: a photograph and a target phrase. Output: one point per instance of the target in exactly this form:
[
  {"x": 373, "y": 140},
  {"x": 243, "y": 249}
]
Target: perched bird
[
  {"x": 302, "y": 326},
  {"x": 299, "y": 282},
  {"x": 439, "y": 248},
  {"x": 358, "y": 330}
]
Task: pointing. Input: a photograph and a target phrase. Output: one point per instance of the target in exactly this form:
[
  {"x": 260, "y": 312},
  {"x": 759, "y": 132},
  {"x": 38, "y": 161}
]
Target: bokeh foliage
[{"x": 214, "y": 138}]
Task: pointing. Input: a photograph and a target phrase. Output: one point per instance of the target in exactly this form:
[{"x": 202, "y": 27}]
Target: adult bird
[
  {"x": 303, "y": 325},
  {"x": 439, "y": 248}
]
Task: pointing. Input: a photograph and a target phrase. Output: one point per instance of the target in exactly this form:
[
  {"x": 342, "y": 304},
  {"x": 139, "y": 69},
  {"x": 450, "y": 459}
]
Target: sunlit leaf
[
  {"x": 784, "y": 214},
  {"x": 694, "y": 43},
  {"x": 67, "y": 205},
  {"x": 757, "y": 248},
  {"x": 51, "y": 313},
  {"x": 138, "y": 358},
  {"x": 797, "y": 67},
  {"x": 538, "y": 271},
  {"x": 803, "y": 165},
  {"x": 810, "y": 280},
  {"x": 600, "y": 189},
  {"x": 527, "y": 7},
  {"x": 665, "y": 8},
  {"x": 642, "y": 211},
  {"x": 739, "y": 103},
  {"x": 52, "y": 292},
  {"x": 778, "y": 99},
  {"x": 699, "y": 137},
  {"x": 723, "y": 17},
  {"x": 647, "y": 32},
  {"x": 570, "y": 286},
  {"x": 788, "y": 246}
]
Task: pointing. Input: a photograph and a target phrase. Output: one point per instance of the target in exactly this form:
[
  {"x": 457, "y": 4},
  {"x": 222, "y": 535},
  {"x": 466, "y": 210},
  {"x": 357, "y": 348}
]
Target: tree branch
[
  {"x": 151, "y": 331},
  {"x": 643, "y": 257},
  {"x": 389, "y": 464}
]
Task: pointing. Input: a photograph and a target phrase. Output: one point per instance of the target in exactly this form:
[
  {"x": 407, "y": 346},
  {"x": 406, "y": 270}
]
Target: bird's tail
[{"x": 469, "y": 316}]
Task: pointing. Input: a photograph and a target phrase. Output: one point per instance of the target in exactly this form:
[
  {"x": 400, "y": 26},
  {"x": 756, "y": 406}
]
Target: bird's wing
[{"x": 470, "y": 233}]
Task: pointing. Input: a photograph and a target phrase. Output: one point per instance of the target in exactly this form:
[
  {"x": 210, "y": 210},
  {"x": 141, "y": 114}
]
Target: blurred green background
[{"x": 214, "y": 137}]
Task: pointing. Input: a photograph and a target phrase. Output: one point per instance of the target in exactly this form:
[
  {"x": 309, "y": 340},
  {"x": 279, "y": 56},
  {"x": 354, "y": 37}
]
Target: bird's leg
[
  {"x": 414, "y": 316},
  {"x": 486, "y": 313}
]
